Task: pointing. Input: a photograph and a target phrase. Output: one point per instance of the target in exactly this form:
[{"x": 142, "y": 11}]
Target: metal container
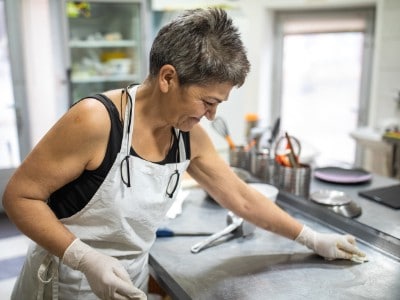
[
  {"x": 294, "y": 180},
  {"x": 262, "y": 166},
  {"x": 338, "y": 201},
  {"x": 239, "y": 157}
]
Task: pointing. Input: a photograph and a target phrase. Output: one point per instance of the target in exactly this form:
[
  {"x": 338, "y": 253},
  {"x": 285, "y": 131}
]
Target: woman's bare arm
[
  {"x": 215, "y": 175},
  {"x": 76, "y": 142}
]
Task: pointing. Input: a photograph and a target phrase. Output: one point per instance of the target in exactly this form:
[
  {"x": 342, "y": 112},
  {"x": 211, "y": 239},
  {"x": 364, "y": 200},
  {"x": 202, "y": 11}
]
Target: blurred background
[{"x": 329, "y": 69}]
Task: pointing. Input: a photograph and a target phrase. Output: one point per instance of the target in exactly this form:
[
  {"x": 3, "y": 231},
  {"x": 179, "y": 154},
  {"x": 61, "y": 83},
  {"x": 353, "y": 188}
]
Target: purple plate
[{"x": 341, "y": 175}]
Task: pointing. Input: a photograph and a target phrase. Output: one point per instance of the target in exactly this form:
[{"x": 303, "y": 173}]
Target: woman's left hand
[{"x": 330, "y": 246}]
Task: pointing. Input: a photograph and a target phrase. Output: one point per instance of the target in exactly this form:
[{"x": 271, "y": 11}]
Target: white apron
[{"x": 119, "y": 221}]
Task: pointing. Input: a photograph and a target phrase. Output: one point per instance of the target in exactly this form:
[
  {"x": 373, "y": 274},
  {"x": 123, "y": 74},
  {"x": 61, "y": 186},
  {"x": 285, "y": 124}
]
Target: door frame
[{"x": 13, "y": 18}]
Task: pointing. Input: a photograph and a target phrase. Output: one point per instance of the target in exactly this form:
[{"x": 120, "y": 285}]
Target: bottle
[{"x": 251, "y": 122}]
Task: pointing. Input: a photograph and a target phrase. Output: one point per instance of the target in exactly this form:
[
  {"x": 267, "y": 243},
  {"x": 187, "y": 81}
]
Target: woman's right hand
[{"x": 106, "y": 276}]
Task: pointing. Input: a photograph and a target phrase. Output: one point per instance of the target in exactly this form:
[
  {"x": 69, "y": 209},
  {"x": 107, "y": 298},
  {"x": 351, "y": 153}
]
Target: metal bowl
[
  {"x": 337, "y": 201},
  {"x": 330, "y": 197},
  {"x": 350, "y": 210}
]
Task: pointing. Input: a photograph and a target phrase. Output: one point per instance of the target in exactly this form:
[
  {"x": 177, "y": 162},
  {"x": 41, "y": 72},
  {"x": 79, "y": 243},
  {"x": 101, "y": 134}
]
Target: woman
[{"x": 93, "y": 191}]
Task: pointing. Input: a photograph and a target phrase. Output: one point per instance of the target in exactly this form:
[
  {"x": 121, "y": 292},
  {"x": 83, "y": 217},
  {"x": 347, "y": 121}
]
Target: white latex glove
[
  {"x": 330, "y": 246},
  {"x": 105, "y": 274}
]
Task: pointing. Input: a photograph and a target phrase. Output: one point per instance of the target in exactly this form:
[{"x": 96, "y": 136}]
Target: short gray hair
[{"x": 203, "y": 46}]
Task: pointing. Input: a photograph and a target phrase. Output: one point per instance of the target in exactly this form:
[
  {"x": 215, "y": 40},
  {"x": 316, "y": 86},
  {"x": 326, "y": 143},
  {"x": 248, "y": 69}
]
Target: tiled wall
[
  {"x": 384, "y": 110},
  {"x": 387, "y": 65}
]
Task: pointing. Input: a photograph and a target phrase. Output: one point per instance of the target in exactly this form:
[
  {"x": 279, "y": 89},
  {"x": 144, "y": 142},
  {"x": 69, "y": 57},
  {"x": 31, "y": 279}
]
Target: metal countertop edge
[
  {"x": 165, "y": 281},
  {"x": 385, "y": 243}
]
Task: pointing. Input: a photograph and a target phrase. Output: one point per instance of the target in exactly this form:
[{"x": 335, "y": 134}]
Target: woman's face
[{"x": 195, "y": 102}]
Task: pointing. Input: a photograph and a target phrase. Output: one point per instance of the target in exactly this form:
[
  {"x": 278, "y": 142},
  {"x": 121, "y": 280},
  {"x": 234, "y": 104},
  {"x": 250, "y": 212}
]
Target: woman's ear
[{"x": 167, "y": 78}]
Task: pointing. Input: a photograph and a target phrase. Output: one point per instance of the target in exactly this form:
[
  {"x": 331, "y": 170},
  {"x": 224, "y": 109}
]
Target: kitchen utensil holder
[
  {"x": 294, "y": 180},
  {"x": 239, "y": 157},
  {"x": 262, "y": 166}
]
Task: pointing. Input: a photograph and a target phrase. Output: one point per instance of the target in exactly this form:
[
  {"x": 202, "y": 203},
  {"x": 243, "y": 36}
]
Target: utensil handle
[
  {"x": 165, "y": 232},
  {"x": 201, "y": 245},
  {"x": 291, "y": 155},
  {"x": 274, "y": 131},
  {"x": 230, "y": 142}
]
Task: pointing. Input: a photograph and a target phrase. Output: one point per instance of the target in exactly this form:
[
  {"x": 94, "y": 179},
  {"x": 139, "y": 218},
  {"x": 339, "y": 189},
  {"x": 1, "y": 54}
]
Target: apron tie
[{"x": 48, "y": 273}]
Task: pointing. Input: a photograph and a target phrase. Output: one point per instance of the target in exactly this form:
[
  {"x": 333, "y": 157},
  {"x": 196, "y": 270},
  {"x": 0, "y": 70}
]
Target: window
[{"x": 322, "y": 76}]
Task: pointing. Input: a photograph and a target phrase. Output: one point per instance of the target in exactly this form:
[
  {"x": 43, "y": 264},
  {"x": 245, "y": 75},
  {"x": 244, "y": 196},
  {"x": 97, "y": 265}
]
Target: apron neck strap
[
  {"x": 181, "y": 145},
  {"x": 129, "y": 119},
  {"x": 128, "y": 126}
]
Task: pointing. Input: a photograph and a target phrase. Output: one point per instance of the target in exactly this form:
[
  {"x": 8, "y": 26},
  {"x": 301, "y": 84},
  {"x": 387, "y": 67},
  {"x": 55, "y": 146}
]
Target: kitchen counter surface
[
  {"x": 378, "y": 224},
  {"x": 374, "y": 214},
  {"x": 263, "y": 265}
]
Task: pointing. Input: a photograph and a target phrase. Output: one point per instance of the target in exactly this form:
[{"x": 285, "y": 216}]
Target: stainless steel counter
[
  {"x": 378, "y": 225},
  {"x": 264, "y": 265},
  {"x": 375, "y": 215}
]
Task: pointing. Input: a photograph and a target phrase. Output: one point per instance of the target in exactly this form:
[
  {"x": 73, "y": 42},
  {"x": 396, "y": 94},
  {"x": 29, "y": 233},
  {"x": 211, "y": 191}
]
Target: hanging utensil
[{"x": 221, "y": 127}]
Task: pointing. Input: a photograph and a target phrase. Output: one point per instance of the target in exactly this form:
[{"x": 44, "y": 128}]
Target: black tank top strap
[
  {"x": 72, "y": 197},
  {"x": 115, "y": 138}
]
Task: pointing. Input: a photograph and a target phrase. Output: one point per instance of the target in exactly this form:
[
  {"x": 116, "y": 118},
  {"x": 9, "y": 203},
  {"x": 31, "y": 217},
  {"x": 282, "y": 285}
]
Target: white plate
[{"x": 269, "y": 191}]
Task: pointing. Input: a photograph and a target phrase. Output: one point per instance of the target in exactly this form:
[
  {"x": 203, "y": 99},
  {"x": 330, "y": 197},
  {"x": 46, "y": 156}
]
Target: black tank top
[{"x": 72, "y": 197}]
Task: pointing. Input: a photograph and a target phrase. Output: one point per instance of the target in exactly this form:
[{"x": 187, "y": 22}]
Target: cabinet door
[{"x": 104, "y": 42}]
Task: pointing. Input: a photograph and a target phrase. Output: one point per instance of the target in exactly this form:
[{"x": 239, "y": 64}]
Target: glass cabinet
[{"x": 104, "y": 44}]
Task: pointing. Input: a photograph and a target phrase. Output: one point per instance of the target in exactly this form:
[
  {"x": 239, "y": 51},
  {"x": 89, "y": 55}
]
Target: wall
[
  {"x": 386, "y": 72},
  {"x": 386, "y": 63},
  {"x": 383, "y": 110},
  {"x": 254, "y": 19}
]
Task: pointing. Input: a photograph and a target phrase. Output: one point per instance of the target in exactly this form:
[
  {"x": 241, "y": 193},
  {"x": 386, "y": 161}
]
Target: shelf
[
  {"x": 108, "y": 78},
  {"x": 392, "y": 136},
  {"x": 104, "y": 49},
  {"x": 102, "y": 44}
]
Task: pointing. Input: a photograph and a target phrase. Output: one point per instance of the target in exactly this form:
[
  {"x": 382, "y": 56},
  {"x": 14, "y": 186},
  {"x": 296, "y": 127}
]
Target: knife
[{"x": 274, "y": 132}]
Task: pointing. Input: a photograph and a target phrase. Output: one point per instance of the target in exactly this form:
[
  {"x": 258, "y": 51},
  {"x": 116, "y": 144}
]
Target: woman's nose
[{"x": 210, "y": 113}]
